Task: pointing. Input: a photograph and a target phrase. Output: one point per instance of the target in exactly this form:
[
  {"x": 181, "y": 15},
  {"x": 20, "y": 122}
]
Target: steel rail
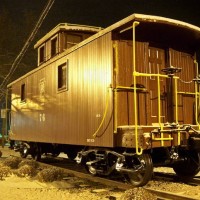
[
  {"x": 96, "y": 179},
  {"x": 169, "y": 195}
]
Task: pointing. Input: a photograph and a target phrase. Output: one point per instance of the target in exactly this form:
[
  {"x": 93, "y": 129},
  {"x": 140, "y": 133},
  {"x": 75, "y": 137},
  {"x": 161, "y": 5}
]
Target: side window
[
  {"x": 41, "y": 54},
  {"x": 73, "y": 39},
  {"x": 63, "y": 77},
  {"x": 54, "y": 46},
  {"x": 23, "y": 92}
]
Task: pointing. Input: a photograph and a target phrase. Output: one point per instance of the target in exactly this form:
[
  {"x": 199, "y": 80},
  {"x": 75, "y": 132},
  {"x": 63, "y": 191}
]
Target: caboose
[{"x": 124, "y": 98}]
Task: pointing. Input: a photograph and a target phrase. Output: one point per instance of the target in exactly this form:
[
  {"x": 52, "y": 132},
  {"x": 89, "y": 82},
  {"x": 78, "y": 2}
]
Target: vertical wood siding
[
  {"x": 125, "y": 79},
  {"x": 185, "y": 85},
  {"x": 71, "y": 116},
  {"x": 152, "y": 60}
]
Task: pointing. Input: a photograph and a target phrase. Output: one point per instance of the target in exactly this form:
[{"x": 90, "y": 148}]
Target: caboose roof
[
  {"x": 151, "y": 27},
  {"x": 155, "y": 19},
  {"x": 67, "y": 27},
  {"x": 156, "y": 29},
  {"x": 161, "y": 29}
]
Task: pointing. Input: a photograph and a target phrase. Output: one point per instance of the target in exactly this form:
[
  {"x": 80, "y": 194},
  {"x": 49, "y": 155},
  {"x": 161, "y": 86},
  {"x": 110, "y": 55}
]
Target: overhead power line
[{"x": 26, "y": 45}]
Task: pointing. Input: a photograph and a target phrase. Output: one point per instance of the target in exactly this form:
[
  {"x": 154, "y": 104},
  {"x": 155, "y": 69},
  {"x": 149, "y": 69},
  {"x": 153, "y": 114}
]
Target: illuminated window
[
  {"x": 54, "y": 46},
  {"x": 23, "y": 92},
  {"x": 41, "y": 54},
  {"x": 62, "y": 77}
]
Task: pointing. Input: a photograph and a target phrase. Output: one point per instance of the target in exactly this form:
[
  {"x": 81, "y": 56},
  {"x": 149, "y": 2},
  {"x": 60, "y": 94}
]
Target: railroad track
[
  {"x": 78, "y": 171},
  {"x": 169, "y": 195},
  {"x": 172, "y": 177},
  {"x": 195, "y": 181},
  {"x": 70, "y": 167}
]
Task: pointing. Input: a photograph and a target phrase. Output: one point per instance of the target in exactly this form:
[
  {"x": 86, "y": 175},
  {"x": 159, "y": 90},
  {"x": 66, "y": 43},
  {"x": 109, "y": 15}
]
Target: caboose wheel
[
  {"x": 24, "y": 151},
  {"x": 141, "y": 177},
  {"x": 36, "y": 152},
  {"x": 190, "y": 166},
  {"x": 72, "y": 154},
  {"x": 90, "y": 168},
  {"x": 100, "y": 162},
  {"x": 36, "y": 156}
]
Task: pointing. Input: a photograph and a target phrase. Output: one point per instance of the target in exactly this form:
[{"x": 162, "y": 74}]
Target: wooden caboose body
[{"x": 133, "y": 85}]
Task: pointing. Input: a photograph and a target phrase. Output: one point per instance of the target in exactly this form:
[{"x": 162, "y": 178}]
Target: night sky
[
  {"x": 104, "y": 12},
  {"x": 88, "y": 12}
]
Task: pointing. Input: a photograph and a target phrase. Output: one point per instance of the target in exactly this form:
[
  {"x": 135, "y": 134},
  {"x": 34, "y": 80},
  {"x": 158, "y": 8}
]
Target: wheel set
[{"x": 136, "y": 169}]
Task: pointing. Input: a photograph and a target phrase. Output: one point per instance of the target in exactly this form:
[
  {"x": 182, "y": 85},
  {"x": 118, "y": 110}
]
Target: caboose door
[
  {"x": 156, "y": 62},
  {"x": 149, "y": 60}
]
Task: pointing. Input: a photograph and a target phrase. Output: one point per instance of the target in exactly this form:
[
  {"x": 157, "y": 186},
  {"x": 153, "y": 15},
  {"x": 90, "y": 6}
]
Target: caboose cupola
[{"x": 62, "y": 37}]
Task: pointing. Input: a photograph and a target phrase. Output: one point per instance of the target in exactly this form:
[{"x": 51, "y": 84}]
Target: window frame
[
  {"x": 23, "y": 93},
  {"x": 40, "y": 61},
  {"x": 55, "y": 47},
  {"x": 69, "y": 43},
  {"x": 60, "y": 85}
]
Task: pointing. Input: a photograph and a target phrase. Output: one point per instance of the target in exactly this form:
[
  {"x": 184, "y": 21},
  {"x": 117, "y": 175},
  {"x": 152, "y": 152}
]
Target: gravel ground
[
  {"x": 75, "y": 188},
  {"x": 179, "y": 188},
  {"x": 30, "y": 188}
]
